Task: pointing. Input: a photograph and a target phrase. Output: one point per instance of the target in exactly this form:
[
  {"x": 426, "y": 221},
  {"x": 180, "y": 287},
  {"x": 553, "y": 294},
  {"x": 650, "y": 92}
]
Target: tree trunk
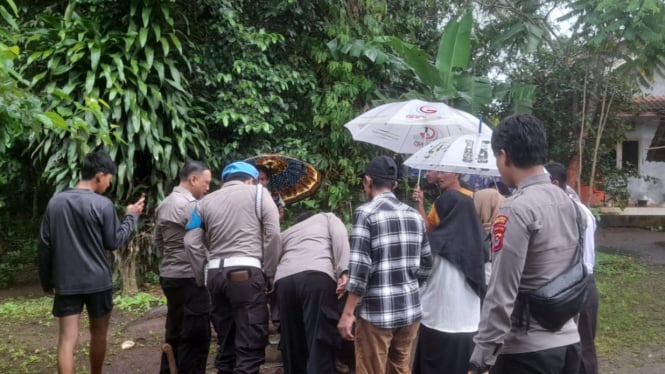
[
  {"x": 125, "y": 258},
  {"x": 604, "y": 114},
  {"x": 590, "y": 101}
]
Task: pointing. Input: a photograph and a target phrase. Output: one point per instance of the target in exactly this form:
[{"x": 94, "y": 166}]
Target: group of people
[{"x": 423, "y": 292}]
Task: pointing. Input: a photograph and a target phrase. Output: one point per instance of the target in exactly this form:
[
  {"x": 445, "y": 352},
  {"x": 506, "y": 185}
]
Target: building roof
[{"x": 650, "y": 103}]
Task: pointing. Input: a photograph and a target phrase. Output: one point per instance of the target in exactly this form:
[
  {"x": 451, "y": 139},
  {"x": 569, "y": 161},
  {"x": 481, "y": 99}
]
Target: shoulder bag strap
[
  {"x": 581, "y": 227},
  {"x": 258, "y": 207}
]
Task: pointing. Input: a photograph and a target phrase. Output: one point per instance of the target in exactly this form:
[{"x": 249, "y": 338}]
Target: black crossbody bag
[{"x": 563, "y": 297}]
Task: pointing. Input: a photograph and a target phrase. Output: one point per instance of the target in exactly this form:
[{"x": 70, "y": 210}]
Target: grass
[
  {"x": 139, "y": 303},
  {"x": 22, "y": 309},
  {"x": 631, "y": 307}
]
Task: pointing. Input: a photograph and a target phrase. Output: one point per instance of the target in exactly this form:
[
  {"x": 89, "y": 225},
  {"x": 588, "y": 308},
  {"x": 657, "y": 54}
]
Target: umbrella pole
[{"x": 424, "y": 145}]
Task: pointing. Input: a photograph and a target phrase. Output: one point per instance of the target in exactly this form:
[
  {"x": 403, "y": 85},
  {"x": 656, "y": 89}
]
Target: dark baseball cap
[{"x": 382, "y": 167}]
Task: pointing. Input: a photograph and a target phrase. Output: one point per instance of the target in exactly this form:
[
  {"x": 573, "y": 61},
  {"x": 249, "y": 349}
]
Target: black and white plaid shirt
[{"x": 390, "y": 256}]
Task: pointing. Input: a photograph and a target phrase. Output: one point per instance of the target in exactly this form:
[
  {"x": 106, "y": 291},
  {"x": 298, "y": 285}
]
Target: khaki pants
[{"x": 384, "y": 351}]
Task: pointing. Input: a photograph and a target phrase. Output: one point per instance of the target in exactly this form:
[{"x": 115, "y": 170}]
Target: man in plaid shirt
[{"x": 390, "y": 257}]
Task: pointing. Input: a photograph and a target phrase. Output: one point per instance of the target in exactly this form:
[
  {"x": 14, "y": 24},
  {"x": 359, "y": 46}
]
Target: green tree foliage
[
  {"x": 127, "y": 58},
  {"x": 157, "y": 82},
  {"x": 113, "y": 75},
  {"x": 16, "y": 103},
  {"x": 447, "y": 76}
]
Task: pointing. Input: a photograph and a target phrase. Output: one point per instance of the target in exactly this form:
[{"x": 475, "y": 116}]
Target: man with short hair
[
  {"x": 237, "y": 227},
  {"x": 312, "y": 269},
  {"x": 188, "y": 305},
  {"x": 444, "y": 181},
  {"x": 534, "y": 239},
  {"x": 79, "y": 226},
  {"x": 586, "y": 324},
  {"x": 390, "y": 258}
]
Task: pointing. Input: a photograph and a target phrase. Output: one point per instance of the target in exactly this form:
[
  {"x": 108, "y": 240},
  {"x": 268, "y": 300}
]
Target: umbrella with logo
[
  {"x": 405, "y": 127},
  {"x": 293, "y": 179},
  {"x": 470, "y": 154}
]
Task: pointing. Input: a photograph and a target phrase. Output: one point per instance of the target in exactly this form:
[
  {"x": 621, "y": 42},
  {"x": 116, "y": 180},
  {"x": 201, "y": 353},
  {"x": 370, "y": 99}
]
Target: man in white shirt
[{"x": 586, "y": 326}]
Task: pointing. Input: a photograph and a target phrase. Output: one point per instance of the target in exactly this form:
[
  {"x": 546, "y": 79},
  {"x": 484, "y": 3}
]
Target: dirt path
[{"x": 649, "y": 245}]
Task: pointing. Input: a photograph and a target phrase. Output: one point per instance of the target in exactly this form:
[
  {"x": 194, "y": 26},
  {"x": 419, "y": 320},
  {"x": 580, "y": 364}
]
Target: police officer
[
  {"x": 187, "y": 319},
  {"x": 237, "y": 227},
  {"x": 534, "y": 239}
]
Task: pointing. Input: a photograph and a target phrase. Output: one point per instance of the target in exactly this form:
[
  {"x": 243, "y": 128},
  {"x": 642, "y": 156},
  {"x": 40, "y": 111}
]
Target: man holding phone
[{"x": 78, "y": 227}]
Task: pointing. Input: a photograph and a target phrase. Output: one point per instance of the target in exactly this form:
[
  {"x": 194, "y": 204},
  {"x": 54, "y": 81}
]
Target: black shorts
[{"x": 98, "y": 304}]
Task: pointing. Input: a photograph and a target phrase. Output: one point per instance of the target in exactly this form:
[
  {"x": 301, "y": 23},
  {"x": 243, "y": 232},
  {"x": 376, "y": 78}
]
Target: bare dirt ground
[{"x": 39, "y": 337}]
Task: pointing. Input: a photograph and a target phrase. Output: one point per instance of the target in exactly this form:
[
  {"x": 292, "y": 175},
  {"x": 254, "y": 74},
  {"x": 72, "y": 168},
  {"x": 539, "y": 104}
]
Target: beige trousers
[{"x": 384, "y": 351}]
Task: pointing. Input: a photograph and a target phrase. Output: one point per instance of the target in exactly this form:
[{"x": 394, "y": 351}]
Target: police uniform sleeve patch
[{"x": 498, "y": 231}]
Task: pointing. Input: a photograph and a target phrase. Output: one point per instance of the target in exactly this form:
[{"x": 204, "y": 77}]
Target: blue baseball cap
[{"x": 240, "y": 167}]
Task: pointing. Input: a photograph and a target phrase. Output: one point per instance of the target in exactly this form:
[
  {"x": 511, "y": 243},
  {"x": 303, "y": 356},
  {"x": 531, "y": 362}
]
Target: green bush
[{"x": 139, "y": 303}]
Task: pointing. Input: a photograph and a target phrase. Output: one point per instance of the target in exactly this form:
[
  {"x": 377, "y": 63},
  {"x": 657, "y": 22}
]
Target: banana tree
[{"x": 447, "y": 76}]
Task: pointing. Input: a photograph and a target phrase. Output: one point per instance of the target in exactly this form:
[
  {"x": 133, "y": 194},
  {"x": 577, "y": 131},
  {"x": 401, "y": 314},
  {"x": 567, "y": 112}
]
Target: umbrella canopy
[
  {"x": 405, "y": 127},
  {"x": 470, "y": 154},
  {"x": 292, "y": 178}
]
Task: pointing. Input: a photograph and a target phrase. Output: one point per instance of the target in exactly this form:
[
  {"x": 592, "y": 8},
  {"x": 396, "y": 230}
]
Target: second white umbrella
[{"x": 470, "y": 154}]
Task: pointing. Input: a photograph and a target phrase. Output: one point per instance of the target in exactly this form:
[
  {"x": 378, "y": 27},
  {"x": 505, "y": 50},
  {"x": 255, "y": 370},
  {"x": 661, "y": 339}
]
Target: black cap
[{"x": 382, "y": 167}]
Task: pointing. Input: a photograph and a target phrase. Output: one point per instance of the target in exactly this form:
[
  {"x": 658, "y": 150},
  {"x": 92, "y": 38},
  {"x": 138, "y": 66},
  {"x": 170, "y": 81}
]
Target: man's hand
[
  {"x": 341, "y": 285},
  {"x": 345, "y": 326},
  {"x": 138, "y": 206},
  {"x": 418, "y": 195},
  {"x": 270, "y": 286}
]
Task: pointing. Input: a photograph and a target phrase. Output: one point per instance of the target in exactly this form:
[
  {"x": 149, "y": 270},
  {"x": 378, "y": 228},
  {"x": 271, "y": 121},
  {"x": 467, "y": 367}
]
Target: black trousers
[
  {"x": 442, "y": 353},
  {"x": 560, "y": 360},
  {"x": 187, "y": 324},
  {"x": 240, "y": 318},
  {"x": 586, "y": 326},
  {"x": 308, "y": 323}
]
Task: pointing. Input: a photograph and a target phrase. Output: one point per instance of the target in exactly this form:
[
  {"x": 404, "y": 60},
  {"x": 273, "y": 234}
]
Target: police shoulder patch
[{"x": 498, "y": 231}]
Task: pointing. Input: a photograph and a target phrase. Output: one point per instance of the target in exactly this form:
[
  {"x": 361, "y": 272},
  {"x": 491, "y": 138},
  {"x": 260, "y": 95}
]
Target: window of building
[
  {"x": 656, "y": 150},
  {"x": 630, "y": 152}
]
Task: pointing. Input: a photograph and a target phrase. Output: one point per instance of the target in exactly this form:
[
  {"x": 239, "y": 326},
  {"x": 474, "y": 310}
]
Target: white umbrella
[
  {"x": 405, "y": 127},
  {"x": 471, "y": 154}
]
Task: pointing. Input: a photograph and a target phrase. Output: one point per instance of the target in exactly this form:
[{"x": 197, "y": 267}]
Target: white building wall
[
  {"x": 638, "y": 188},
  {"x": 657, "y": 87}
]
